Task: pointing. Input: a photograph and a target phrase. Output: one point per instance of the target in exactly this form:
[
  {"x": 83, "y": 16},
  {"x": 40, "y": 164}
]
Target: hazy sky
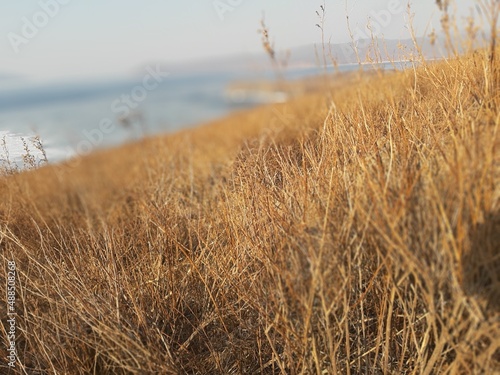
[{"x": 69, "y": 38}]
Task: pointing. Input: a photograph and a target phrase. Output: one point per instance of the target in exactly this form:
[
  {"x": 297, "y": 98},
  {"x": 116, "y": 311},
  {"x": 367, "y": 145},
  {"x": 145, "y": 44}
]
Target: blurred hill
[{"x": 310, "y": 56}]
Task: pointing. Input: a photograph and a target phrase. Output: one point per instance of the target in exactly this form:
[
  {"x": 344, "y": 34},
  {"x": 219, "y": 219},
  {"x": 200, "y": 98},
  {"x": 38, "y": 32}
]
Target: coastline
[{"x": 178, "y": 104}]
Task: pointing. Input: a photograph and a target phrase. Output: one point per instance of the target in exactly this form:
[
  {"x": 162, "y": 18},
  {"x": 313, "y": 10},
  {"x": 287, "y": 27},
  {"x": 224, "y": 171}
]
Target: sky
[{"x": 59, "y": 39}]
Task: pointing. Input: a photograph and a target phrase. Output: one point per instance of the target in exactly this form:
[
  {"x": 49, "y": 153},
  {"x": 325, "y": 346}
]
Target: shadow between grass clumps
[{"x": 481, "y": 266}]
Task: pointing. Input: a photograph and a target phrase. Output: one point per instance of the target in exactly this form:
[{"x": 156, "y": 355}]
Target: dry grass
[{"x": 358, "y": 235}]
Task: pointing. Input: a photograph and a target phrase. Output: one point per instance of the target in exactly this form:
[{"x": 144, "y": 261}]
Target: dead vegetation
[{"x": 353, "y": 235}]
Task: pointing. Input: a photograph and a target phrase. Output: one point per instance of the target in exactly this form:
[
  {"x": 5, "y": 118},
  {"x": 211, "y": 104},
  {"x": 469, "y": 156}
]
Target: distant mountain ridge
[
  {"x": 9, "y": 77},
  {"x": 310, "y": 56},
  {"x": 366, "y": 50}
]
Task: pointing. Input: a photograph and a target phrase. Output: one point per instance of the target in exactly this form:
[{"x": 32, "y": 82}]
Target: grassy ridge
[{"x": 349, "y": 232}]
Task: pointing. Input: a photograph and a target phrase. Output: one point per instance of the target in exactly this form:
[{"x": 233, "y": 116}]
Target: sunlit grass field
[{"x": 352, "y": 230}]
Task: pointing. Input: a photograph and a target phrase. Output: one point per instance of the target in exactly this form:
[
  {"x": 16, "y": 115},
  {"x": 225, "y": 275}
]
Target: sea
[{"x": 75, "y": 118}]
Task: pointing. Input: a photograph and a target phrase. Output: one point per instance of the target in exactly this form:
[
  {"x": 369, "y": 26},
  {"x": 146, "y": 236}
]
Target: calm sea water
[{"x": 63, "y": 114}]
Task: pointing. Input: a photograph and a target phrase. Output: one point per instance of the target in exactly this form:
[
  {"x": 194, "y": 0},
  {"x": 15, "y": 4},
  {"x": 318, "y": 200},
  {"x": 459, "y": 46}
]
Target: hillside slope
[{"x": 355, "y": 230}]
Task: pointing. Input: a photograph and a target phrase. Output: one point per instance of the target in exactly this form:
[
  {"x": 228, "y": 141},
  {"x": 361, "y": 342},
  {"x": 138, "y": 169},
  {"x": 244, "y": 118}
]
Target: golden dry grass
[{"x": 353, "y": 233}]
